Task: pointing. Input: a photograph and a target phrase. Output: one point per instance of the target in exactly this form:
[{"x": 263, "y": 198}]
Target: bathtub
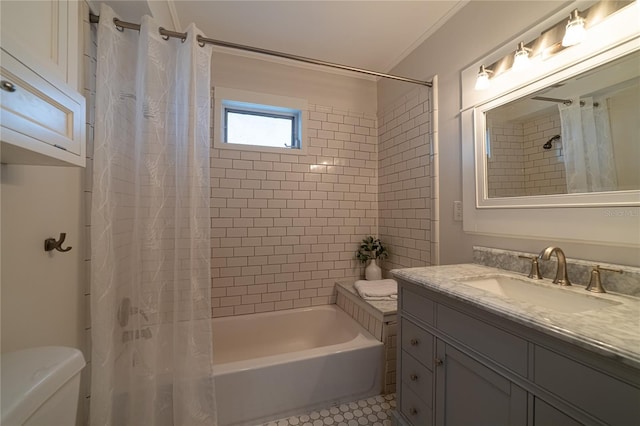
[{"x": 271, "y": 365}]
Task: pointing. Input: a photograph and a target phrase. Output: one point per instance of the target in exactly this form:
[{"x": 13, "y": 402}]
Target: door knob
[{"x": 7, "y": 86}]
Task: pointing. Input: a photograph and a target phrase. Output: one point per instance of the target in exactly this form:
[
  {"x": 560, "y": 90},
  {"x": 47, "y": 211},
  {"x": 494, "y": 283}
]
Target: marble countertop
[{"x": 613, "y": 331}]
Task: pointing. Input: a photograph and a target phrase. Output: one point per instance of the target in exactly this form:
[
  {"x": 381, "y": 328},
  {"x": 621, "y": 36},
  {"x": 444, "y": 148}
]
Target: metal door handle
[{"x": 7, "y": 86}]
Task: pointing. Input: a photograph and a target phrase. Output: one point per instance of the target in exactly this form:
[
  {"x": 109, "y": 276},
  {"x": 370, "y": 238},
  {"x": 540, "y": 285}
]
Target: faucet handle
[
  {"x": 595, "y": 285},
  {"x": 535, "y": 267}
]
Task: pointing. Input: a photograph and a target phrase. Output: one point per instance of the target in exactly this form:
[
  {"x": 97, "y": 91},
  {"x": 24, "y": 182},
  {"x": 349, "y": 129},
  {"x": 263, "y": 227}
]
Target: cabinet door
[
  {"x": 43, "y": 35},
  {"x": 39, "y": 123},
  {"x": 546, "y": 415},
  {"x": 468, "y": 393}
]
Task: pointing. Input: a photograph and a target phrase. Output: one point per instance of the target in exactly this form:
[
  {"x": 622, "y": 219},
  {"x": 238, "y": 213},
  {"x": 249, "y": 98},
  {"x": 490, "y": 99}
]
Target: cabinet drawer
[
  {"x": 38, "y": 117},
  {"x": 599, "y": 394},
  {"x": 504, "y": 348},
  {"x": 418, "y": 306},
  {"x": 417, "y": 342},
  {"x": 414, "y": 409},
  {"x": 417, "y": 378}
]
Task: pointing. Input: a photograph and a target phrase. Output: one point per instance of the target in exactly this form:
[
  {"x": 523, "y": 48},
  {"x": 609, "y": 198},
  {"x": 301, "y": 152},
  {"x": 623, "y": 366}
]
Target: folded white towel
[{"x": 377, "y": 289}]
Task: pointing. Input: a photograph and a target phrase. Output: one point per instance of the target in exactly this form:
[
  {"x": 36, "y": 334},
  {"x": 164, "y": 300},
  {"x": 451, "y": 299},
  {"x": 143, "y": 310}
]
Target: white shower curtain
[
  {"x": 587, "y": 145},
  {"x": 151, "y": 355}
]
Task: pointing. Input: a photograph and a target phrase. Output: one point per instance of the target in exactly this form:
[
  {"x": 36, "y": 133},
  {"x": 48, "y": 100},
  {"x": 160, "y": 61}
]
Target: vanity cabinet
[
  {"x": 42, "y": 114},
  {"x": 460, "y": 365}
]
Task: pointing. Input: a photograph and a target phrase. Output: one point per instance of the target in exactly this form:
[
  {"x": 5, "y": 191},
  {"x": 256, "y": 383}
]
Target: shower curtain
[
  {"x": 151, "y": 357},
  {"x": 587, "y": 145}
]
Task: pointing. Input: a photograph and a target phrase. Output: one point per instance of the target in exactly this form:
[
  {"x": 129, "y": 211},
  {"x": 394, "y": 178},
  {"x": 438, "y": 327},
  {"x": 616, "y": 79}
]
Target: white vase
[{"x": 372, "y": 271}]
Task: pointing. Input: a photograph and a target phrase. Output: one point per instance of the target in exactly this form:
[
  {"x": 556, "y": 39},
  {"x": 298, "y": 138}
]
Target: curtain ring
[
  {"x": 184, "y": 38},
  {"x": 164, "y": 37},
  {"x": 118, "y": 27},
  {"x": 200, "y": 42}
]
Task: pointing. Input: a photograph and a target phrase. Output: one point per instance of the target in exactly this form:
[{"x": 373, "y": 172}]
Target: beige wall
[
  {"x": 472, "y": 33},
  {"x": 42, "y": 293},
  {"x": 272, "y": 76}
]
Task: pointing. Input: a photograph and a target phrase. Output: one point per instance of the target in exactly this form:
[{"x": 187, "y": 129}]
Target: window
[{"x": 259, "y": 122}]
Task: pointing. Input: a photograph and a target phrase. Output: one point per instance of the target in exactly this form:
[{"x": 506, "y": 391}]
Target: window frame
[{"x": 260, "y": 104}]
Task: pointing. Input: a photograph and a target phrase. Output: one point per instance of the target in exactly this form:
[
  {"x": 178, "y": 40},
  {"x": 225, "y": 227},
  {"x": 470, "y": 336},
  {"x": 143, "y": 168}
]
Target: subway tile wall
[
  {"x": 544, "y": 171},
  {"x": 518, "y": 165},
  {"x": 404, "y": 180},
  {"x": 285, "y": 227},
  {"x": 505, "y": 164},
  {"x": 89, "y": 57}
]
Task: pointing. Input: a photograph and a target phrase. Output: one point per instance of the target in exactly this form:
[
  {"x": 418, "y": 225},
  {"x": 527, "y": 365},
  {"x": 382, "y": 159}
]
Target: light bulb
[
  {"x": 521, "y": 58},
  {"x": 575, "y": 32},
  {"x": 482, "y": 81}
]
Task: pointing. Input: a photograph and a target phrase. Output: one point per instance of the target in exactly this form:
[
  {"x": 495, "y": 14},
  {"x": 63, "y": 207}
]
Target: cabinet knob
[
  {"x": 437, "y": 361},
  {"x": 413, "y": 411},
  {"x": 413, "y": 377},
  {"x": 414, "y": 342},
  {"x": 7, "y": 86}
]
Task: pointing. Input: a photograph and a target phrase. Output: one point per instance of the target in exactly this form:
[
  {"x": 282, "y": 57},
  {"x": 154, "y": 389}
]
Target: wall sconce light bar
[
  {"x": 551, "y": 41},
  {"x": 482, "y": 81},
  {"x": 575, "y": 32},
  {"x": 521, "y": 57}
]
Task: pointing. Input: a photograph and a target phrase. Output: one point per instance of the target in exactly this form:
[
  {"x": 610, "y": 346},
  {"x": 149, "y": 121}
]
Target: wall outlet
[{"x": 457, "y": 211}]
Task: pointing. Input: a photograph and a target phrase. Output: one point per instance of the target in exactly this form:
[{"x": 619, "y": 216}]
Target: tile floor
[{"x": 374, "y": 411}]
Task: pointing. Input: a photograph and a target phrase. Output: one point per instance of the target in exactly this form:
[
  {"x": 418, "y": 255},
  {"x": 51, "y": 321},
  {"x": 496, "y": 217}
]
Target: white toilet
[{"x": 40, "y": 386}]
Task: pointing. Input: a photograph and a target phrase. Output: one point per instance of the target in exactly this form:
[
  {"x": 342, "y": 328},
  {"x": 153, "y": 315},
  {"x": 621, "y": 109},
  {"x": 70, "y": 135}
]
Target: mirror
[
  {"x": 588, "y": 70},
  {"x": 578, "y": 135}
]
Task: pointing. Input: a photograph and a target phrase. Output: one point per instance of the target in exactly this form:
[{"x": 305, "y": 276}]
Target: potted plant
[{"x": 370, "y": 250}]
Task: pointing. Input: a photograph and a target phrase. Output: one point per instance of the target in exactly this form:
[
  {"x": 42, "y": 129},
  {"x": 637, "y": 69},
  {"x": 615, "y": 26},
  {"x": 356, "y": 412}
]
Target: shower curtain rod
[
  {"x": 94, "y": 19},
  {"x": 567, "y": 102}
]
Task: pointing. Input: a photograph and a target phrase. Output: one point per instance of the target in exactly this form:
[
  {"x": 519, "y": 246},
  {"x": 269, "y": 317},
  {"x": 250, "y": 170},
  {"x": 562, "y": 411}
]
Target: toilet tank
[{"x": 40, "y": 386}]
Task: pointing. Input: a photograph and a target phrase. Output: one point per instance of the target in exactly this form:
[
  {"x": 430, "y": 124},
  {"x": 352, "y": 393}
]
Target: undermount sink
[{"x": 559, "y": 299}]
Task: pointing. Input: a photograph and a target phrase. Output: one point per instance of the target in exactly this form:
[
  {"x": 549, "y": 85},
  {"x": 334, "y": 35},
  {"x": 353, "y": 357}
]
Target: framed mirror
[
  {"x": 576, "y": 136},
  {"x": 524, "y": 174}
]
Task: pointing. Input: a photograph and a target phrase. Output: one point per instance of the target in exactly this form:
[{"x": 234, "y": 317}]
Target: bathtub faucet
[
  {"x": 125, "y": 310},
  {"x": 144, "y": 333}
]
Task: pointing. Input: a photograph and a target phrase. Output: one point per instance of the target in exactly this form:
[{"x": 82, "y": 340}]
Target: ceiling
[{"x": 374, "y": 35}]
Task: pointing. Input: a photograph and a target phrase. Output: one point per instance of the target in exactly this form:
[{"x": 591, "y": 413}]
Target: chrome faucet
[{"x": 561, "y": 273}]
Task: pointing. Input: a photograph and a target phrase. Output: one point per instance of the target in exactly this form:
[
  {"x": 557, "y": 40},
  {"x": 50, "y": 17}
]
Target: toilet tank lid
[{"x": 30, "y": 376}]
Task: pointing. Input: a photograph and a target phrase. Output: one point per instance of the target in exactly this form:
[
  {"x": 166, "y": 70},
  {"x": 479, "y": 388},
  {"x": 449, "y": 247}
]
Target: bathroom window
[{"x": 259, "y": 122}]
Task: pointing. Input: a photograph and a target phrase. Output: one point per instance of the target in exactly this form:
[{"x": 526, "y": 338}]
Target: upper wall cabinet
[{"x": 42, "y": 113}]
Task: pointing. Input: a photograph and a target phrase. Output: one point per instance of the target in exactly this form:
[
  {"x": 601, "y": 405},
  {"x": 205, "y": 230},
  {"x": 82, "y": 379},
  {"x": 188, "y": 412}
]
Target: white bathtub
[{"x": 271, "y": 365}]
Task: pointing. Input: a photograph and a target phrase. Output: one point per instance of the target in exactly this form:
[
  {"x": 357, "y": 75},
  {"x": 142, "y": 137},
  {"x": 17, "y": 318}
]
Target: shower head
[{"x": 548, "y": 145}]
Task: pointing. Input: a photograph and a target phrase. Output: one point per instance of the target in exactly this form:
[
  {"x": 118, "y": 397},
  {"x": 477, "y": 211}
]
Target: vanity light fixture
[
  {"x": 575, "y": 32},
  {"x": 521, "y": 57},
  {"x": 482, "y": 82}
]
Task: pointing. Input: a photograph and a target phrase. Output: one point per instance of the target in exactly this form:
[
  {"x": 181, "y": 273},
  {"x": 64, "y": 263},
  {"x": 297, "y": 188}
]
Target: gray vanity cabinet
[
  {"x": 546, "y": 415},
  {"x": 468, "y": 393},
  {"x": 461, "y": 366},
  {"x": 463, "y": 391}
]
